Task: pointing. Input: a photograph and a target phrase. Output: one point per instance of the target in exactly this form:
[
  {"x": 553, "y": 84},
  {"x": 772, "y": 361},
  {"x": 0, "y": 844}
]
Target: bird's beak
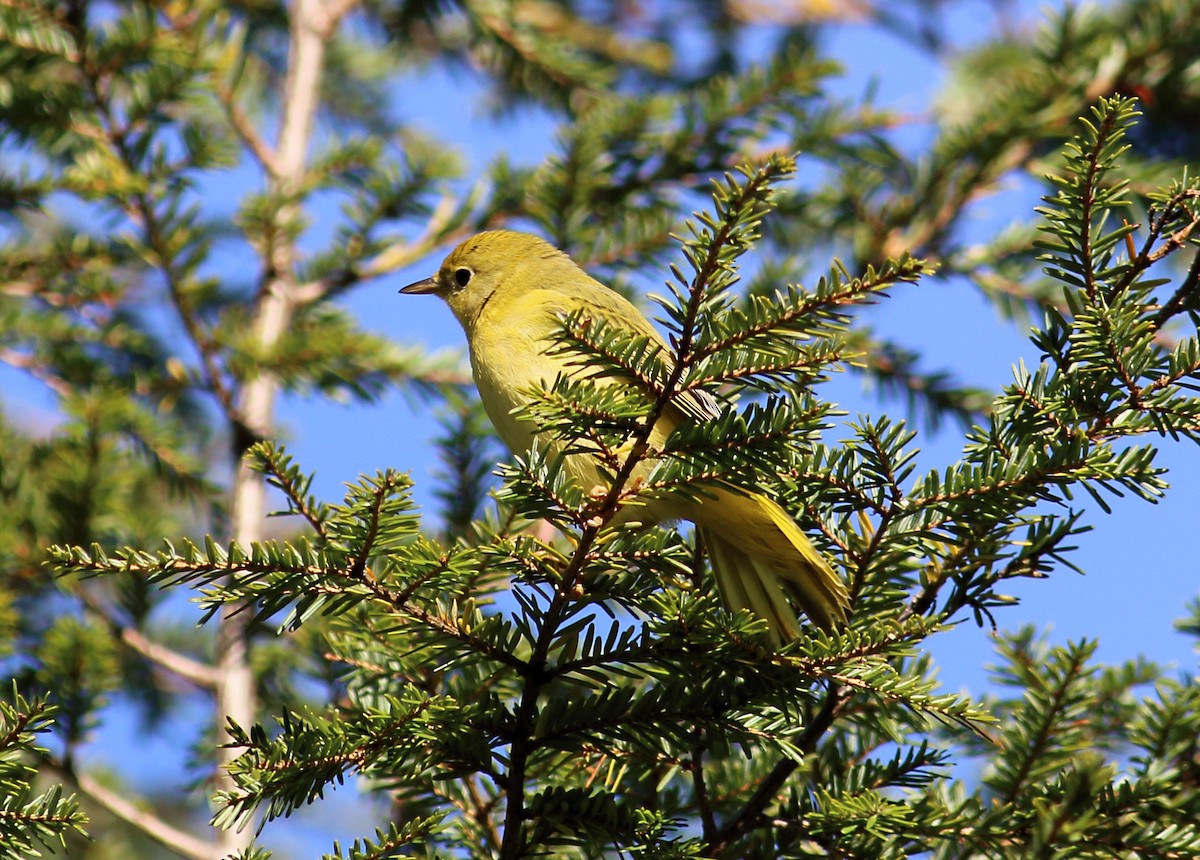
[{"x": 429, "y": 285}]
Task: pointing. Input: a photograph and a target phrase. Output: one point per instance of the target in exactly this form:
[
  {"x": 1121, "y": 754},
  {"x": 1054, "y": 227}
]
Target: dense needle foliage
[{"x": 515, "y": 689}]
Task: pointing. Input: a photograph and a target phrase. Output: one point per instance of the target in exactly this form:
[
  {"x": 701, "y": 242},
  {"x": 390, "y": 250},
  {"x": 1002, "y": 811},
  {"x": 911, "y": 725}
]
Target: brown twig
[
  {"x": 170, "y": 837},
  {"x": 180, "y": 665},
  {"x": 606, "y": 508},
  {"x": 747, "y": 817}
]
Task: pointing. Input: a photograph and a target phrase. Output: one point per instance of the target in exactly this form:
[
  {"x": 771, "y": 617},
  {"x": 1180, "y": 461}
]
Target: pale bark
[
  {"x": 312, "y": 22},
  {"x": 179, "y": 841}
]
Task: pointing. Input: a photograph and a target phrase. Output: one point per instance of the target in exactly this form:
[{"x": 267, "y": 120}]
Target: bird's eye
[{"x": 462, "y": 277}]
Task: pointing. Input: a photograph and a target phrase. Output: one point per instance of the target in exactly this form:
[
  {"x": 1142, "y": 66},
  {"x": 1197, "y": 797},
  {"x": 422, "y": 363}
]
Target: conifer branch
[
  {"x": 194, "y": 671},
  {"x": 747, "y": 817},
  {"x": 243, "y": 125},
  {"x": 310, "y": 27},
  {"x": 799, "y": 312},
  {"x": 283, "y": 474},
  {"x": 615, "y": 707},
  {"x": 162, "y": 832},
  {"x": 708, "y": 822},
  {"x": 239, "y": 121},
  {"x": 707, "y": 264},
  {"x": 141, "y": 209},
  {"x": 37, "y": 370},
  {"x": 1183, "y": 295},
  {"x": 443, "y": 227},
  {"x": 30, "y": 821}
]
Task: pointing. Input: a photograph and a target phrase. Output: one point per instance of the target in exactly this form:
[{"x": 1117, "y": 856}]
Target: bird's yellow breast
[{"x": 508, "y": 360}]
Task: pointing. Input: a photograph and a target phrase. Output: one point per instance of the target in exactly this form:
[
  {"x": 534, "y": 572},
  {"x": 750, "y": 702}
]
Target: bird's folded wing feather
[{"x": 608, "y": 305}]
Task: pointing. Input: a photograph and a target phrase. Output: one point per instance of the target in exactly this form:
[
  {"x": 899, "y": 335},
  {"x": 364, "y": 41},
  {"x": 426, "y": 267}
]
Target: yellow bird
[{"x": 509, "y": 291}]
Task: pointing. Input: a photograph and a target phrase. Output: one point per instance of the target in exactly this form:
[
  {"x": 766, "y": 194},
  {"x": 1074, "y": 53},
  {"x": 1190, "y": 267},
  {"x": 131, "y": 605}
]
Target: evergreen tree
[{"x": 514, "y": 690}]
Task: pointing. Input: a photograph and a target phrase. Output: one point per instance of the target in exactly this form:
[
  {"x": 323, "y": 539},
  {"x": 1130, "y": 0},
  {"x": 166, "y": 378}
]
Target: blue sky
[
  {"x": 1139, "y": 560},
  {"x": 947, "y": 320}
]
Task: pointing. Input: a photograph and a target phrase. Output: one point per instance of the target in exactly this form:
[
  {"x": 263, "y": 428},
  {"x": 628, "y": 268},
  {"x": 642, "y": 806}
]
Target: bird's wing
[{"x": 607, "y": 304}]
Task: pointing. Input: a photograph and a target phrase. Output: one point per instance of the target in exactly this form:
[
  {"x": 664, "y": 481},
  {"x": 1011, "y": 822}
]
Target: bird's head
[{"x": 488, "y": 266}]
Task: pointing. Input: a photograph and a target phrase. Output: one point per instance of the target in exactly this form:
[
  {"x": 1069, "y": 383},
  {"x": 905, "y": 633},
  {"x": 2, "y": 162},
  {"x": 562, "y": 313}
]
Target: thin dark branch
[
  {"x": 747, "y": 818},
  {"x": 1180, "y": 299},
  {"x": 536, "y": 677},
  {"x": 707, "y": 820}
]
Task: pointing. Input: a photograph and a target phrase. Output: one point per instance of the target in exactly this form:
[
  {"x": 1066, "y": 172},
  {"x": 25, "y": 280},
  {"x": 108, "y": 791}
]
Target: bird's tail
[{"x": 763, "y": 562}]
